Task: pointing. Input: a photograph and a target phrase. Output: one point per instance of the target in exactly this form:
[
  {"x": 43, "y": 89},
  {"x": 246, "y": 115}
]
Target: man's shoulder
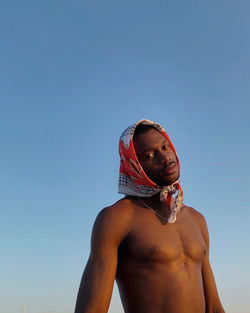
[
  {"x": 196, "y": 215},
  {"x": 112, "y": 225},
  {"x": 122, "y": 207},
  {"x": 118, "y": 215}
]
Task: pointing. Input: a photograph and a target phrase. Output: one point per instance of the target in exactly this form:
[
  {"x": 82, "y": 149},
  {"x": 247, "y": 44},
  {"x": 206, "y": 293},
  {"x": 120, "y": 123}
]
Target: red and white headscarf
[{"x": 133, "y": 181}]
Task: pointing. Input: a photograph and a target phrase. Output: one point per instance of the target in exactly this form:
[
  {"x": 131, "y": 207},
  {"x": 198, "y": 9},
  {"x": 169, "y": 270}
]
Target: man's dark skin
[{"x": 159, "y": 267}]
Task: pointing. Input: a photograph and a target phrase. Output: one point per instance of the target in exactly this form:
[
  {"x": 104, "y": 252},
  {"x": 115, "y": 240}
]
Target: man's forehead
[{"x": 149, "y": 140}]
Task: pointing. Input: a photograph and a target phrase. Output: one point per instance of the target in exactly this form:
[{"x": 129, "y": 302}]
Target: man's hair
[{"x": 141, "y": 129}]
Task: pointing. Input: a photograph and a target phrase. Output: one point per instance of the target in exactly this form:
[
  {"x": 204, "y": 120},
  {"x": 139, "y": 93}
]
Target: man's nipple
[{"x": 154, "y": 250}]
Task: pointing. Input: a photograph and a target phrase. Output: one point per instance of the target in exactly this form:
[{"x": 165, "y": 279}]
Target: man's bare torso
[
  {"x": 159, "y": 264},
  {"x": 160, "y": 267}
]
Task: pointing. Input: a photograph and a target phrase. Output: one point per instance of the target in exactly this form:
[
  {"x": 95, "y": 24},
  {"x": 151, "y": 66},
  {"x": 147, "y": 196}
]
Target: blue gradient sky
[{"x": 74, "y": 74}]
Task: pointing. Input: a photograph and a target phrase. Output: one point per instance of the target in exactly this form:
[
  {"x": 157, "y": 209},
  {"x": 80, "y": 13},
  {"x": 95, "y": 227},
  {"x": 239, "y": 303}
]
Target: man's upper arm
[
  {"x": 213, "y": 304},
  {"x": 110, "y": 228}
]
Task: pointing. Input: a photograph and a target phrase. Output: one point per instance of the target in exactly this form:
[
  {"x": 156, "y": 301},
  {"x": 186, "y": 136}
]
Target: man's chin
[{"x": 168, "y": 182}]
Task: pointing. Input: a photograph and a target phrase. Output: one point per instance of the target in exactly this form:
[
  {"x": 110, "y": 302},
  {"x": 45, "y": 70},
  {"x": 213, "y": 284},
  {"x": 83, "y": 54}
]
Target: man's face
[{"x": 156, "y": 157}]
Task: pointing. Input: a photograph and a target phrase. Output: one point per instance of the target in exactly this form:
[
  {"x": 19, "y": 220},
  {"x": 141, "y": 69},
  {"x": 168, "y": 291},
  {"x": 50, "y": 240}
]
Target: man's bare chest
[{"x": 153, "y": 240}]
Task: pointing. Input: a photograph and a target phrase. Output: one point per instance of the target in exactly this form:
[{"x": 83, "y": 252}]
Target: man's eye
[
  {"x": 166, "y": 146},
  {"x": 149, "y": 156}
]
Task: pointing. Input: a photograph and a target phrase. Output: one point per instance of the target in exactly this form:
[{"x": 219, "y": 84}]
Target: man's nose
[{"x": 164, "y": 157}]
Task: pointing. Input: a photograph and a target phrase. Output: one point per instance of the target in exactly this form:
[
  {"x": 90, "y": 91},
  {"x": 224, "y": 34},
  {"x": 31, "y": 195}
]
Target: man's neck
[{"x": 155, "y": 203}]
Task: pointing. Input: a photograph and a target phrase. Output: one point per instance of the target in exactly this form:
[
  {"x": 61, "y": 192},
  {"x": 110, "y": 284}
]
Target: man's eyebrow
[{"x": 150, "y": 149}]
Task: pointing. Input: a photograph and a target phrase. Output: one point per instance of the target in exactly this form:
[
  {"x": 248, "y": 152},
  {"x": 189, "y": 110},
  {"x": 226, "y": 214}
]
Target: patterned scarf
[{"x": 133, "y": 180}]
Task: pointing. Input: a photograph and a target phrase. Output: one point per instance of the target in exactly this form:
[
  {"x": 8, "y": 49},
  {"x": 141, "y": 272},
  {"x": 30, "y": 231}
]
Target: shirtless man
[{"x": 155, "y": 247}]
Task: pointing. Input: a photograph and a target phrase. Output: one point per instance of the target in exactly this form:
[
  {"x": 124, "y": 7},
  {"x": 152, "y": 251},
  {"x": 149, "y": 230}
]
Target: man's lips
[{"x": 170, "y": 169}]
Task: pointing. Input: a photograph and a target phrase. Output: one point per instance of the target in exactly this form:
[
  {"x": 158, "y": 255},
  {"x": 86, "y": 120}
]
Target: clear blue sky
[{"x": 74, "y": 75}]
